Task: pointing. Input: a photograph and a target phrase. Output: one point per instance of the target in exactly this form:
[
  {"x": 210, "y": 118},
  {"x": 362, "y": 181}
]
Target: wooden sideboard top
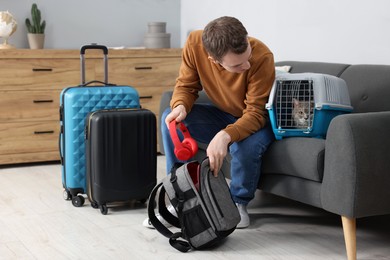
[{"x": 70, "y": 53}]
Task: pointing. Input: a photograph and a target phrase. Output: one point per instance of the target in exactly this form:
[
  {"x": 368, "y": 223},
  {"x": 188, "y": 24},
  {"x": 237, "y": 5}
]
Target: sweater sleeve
[{"x": 188, "y": 83}]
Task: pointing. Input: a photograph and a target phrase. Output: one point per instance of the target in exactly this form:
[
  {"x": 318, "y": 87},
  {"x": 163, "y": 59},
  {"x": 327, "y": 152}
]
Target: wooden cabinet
[{"x": 31, "y": 82}]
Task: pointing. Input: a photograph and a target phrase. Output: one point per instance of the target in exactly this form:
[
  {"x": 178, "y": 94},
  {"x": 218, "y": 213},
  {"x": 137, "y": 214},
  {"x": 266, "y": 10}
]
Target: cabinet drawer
[
  {"x": 29, "y": 105},
  {"x": 150, "y": 97},
  {"x": 36, "y": 74},
  {"x": 28, "y": 137},
  {"x": 159, "y": 72}
]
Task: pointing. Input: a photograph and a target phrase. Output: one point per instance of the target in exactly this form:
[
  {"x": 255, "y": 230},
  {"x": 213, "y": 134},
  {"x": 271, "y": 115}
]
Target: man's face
[{"x": 237, "y": 63}]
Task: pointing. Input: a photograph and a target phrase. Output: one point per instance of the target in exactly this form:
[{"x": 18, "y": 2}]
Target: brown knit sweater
[{"x": 243, "y": 95}]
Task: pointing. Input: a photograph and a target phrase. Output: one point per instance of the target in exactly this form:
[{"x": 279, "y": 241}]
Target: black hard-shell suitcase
[{"x": 121, "y": 156}]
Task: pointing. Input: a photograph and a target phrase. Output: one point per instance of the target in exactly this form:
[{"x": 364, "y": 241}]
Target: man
[{"x": 237, "y": 73}]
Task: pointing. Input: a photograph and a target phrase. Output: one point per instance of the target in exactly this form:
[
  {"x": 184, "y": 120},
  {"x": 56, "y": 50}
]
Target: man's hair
[{"x": 224, "y": 34}]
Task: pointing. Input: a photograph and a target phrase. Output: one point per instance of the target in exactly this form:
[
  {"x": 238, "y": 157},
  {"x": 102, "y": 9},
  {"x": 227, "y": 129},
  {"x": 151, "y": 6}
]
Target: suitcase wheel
[
  {"x": 66, "y": 194},
  {"x": 103, "y": 209},
  {"x": 78, "y": 201},
  {"x": 94, "y": 205}
]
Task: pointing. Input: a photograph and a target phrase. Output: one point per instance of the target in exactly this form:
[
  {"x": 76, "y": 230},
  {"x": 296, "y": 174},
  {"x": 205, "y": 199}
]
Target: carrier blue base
[{"x": 321, "y": 121}]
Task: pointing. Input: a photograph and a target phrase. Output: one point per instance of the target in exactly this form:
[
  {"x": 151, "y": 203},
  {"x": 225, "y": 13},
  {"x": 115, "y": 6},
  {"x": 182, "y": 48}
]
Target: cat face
[{"x": 301, "y": 113}]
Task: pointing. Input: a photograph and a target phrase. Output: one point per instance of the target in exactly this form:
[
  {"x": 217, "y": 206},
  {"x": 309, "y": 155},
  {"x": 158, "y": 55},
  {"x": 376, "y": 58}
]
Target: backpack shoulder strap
[
  {"x": 174, "y": 241},
  {"x": 151, "y": 214},
  {"x": 164, "y": 212},
  {"x": 162, "y": 208}
]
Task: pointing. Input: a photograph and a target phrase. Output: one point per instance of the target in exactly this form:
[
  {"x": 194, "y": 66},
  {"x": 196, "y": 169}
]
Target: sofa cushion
[
  {"x": 296, "y": 156},
  {"x": 369, "y": 87}
]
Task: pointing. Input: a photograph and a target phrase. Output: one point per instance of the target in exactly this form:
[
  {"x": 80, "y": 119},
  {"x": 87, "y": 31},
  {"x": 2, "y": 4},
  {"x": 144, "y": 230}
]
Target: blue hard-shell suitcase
[{"x": 75, "y": 103}]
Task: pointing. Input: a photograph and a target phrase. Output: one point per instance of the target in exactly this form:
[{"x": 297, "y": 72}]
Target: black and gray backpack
[{"x": 205, "y": 209}]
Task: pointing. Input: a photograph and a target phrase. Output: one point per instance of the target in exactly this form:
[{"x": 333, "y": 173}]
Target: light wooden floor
[{"x": 37, "y": 223}]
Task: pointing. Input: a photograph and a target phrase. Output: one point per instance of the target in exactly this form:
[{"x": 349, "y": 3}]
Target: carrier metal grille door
[{"x": 288, "y": 91}]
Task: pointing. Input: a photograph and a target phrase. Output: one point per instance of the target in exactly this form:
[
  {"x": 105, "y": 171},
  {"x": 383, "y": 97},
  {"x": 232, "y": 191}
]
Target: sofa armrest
[{"x": 357, "y": 165}]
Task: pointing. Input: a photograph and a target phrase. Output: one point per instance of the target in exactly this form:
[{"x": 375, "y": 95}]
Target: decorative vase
[
  {"x": 157, "y": 27},
  {"x": 36, "y": 40},
  {"x": 156, "y": 37}
]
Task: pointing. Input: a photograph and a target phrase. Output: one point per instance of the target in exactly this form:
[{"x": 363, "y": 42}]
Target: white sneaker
[
  {"x": 148, "y": 224},
  {"x": 245, "y": 221}
]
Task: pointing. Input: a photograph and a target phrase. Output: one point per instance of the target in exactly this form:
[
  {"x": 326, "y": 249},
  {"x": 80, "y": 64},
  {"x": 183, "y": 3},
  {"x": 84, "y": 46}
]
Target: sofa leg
[{"x": 349, "y": 228}]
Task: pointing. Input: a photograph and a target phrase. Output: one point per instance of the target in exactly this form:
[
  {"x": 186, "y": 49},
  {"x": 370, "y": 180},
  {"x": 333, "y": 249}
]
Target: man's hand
[
  {"x": 217, "y": 150},
  {"x": 178, "y": 113}
]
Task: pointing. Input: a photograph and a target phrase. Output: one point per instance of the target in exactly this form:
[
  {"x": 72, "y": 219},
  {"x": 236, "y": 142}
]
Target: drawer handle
[
  {"x": 145, "y": 97},
  {"x": 34, "y": 69},
  {"x": 144, "y": 68},
  {"x": 43, "y": 132},
  {"x": 43, "y": 101}
]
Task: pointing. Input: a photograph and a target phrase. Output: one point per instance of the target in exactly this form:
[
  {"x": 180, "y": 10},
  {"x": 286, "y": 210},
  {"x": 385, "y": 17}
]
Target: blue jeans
[{"x": 204, "y": 122}]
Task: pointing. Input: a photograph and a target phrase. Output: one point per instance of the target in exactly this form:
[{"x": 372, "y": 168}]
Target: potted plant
[{"x": 36, "y": 29}]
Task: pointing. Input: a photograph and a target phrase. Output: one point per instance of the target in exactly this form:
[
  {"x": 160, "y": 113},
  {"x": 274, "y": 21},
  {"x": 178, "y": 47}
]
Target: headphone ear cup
[
  {"x": 192, "y": 145},
  {"x": 184, "y": 152},
  {"x": 186, "y": 149}
]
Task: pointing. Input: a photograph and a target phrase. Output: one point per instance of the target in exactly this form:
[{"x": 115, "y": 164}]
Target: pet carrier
[{"x": 303, "y": 104}]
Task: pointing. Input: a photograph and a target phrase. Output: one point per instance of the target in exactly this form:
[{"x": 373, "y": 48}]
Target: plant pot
[{"x": 36, "y": 40}]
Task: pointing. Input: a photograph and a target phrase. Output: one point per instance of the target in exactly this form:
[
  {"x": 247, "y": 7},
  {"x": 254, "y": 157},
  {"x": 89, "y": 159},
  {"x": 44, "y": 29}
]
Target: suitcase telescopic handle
[{"x": 105, "y": 60}]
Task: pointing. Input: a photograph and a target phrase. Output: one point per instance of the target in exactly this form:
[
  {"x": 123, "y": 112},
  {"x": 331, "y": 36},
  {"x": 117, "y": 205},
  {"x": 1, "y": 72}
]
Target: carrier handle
[{"x": 105, "y": 60}]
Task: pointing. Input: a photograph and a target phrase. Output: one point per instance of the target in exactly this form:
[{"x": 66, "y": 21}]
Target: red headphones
[{"x": 185, "y": 149}]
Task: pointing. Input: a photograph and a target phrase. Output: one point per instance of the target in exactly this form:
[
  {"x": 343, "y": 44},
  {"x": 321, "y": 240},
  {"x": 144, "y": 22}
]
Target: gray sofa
[{"x": 348, "y": 173}]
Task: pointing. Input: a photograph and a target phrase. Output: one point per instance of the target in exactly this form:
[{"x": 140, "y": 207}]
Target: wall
[
  {"x": 345, "y": 31},
  {"x": 72, "y": 23},
  {"x": 350, "y": 31}
]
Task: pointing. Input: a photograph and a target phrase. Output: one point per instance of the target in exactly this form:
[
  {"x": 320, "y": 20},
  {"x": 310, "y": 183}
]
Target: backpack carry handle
[{"x": 105, "y": 61}]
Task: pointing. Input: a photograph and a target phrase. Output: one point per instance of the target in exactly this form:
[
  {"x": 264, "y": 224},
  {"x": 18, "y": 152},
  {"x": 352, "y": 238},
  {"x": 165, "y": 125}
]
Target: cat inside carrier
[{"x": 303, "y": 104}]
